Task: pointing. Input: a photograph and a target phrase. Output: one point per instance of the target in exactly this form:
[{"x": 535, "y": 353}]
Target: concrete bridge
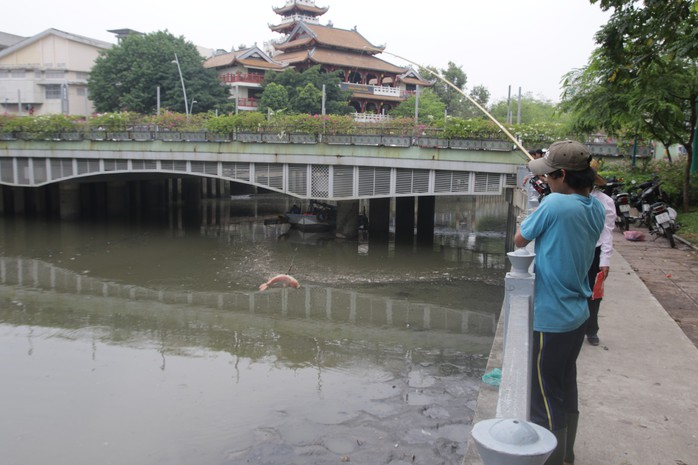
[{"x": 340, "y": 168}]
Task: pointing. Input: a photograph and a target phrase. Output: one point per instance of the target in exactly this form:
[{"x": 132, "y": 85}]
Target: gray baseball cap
[{"x": 565, "y": 154}]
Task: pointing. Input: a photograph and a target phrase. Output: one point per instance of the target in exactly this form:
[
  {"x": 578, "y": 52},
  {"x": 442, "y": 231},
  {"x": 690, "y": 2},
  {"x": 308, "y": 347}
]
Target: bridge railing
[{"x": 387, "y": 138}]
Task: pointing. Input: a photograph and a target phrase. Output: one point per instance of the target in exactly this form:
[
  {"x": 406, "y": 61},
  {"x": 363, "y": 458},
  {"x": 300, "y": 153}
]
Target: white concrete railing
[
  {"x": 388, "y": 91},
  {"x": 510, "y": 438},
  {"x": 371, "y": 117}
]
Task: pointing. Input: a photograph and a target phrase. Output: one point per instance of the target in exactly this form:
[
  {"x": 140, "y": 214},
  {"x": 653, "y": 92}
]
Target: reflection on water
[{"x": 146, "y": 344}]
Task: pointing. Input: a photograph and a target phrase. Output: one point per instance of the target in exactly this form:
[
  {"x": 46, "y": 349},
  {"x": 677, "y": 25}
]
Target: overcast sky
[{"x": 498, "y": 43}]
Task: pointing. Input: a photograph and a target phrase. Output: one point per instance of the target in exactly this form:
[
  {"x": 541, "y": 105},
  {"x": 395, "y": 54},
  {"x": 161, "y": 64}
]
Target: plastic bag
[
  {"x": 493, "y": 378},
  {"x": 634, "y": 236},
  {"x": 597, "y": 292}
]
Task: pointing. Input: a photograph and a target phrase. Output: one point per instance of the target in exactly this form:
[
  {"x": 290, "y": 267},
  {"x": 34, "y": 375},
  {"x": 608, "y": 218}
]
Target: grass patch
[{"x": 689, "y": 226}]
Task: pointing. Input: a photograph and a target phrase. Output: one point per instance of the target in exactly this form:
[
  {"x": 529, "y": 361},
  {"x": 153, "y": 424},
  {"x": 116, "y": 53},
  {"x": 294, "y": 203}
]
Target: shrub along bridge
[{"x": 47, "y": 173}]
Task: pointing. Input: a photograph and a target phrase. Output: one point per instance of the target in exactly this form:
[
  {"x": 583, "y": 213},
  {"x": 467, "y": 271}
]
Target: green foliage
[
  {"x": 459, "y": 128},
  {"x": 222, "y": 124},
  {"x": 126, "y": 77},
  {"x": 120, "y": 121},
  {"x": 308, "y": 100},
  {"x": 42, "y": 126},
  {"x": 542, "y": 134},
  {"x": 450, "y": 97},
  {"x": 643, "y": 75},
  {"x": 301, "y": 99},
  {"x": 533, "y": 110},
  {"x": 671, "y": 175},
  {"x": 177, "y": 121},
  {"x": 274, "y": 98},
  {"x": 431, "y": 108},
  {"x": 689, "y": 226}
]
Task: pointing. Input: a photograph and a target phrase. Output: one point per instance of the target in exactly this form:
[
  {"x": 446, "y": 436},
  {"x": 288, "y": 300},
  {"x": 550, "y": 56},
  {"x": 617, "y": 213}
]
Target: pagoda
[
  {"x": 376, "y": 85},
  {"x": 295, "y": 11}
]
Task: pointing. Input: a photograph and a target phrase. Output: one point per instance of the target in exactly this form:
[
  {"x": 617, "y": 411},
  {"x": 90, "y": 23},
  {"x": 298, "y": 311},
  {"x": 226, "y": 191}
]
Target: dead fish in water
[{"x": 284, "y": 279}]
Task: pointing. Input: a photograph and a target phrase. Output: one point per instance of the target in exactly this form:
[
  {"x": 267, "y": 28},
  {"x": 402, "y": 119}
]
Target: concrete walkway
[{"x": 638, "y": 390}]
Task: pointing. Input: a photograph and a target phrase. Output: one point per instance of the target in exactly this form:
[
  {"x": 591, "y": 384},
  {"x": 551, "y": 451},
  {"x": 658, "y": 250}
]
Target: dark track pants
[
  {"x": 594, "y": 305},
  {"x": 554, "y": 377}
]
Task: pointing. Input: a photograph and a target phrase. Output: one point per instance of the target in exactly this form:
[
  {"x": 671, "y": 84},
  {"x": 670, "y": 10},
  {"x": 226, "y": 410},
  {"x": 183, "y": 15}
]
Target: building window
[
  {"x": 55, "y": 74},
  {"x": 81, "y": 75},
  {"x": 38, "y": 74},
  {"x": 81, "y": 91},
  {"x": 4, "y": 74},
  {"x": 53, "y": 91},
  {"x": 18, "y": 73}
]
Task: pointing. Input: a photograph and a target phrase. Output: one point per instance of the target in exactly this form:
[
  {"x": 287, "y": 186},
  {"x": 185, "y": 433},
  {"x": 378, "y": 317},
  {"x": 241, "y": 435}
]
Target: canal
[{"x": 145, "y": 340}]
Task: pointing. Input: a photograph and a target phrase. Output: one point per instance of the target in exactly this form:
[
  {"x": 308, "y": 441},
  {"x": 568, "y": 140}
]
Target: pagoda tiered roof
[
  {"x": 314, "y": 35},
  {"x": 303, "y": 7},
  {"x": 339, "y": 58}
]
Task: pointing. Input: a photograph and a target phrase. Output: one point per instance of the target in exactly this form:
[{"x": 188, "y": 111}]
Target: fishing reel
[{"x": 540, "y": 186}]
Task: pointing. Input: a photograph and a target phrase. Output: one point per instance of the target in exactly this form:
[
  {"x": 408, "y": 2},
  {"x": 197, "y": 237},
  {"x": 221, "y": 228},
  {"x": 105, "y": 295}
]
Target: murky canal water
[{"x": 147, "y": 342}]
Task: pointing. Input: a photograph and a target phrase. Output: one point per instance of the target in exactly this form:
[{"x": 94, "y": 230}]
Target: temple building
[
  {"x": 376, "y": 85},
  {"x": 243, "y": 71}
]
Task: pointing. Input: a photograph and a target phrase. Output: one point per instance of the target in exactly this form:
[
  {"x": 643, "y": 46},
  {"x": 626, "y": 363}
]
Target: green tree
[
  {"x": 126, "y": 77},
  {"x": 481, "y": 95},
  {"x": 308, "y": 100},
  {"x": 274, "y": 98},
  {"x": 336, "y": 100},
  {"x": 643, "y": 76},
  {"x": 431, "y": 108},
  {"x": 448, "y": 95}
]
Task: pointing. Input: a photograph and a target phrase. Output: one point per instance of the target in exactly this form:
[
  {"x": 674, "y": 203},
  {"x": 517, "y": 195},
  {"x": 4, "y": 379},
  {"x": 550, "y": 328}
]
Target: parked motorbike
[
  {"x": 654, "y": 211},
  {"x": 663, "y": 221},
  {"x": 613, "y": 189}
]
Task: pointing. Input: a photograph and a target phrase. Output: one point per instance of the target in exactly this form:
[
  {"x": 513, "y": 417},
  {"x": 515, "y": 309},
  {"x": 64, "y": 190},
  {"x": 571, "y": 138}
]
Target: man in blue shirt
[{"x": 565, "y": 227}]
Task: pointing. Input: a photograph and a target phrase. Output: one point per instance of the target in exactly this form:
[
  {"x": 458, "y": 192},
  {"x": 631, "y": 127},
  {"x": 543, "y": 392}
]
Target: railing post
[{"x": 510, "y": 439}]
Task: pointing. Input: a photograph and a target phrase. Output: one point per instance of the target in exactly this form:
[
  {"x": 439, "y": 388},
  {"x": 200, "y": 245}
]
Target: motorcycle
[
  {"x": 655, "y": 213},
  {"x": 663, "y": 221},
  {"x": 622, "y": 202}
]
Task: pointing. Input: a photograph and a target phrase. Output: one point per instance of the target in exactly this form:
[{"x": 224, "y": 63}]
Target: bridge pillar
[
  {"x": 404, "y": 221},
  {"x": 40, "y": 200},
  {"x": 347, "y": 219},
  {"x": 224, "y": 188},
  {"x": 426, "y": 208},
  {"x": 18, "y": 198},
  {"x": 2, "y": 199},
  {"x": 117, "y": 198},
  {"x": 69, "y": 203},
  {"x": 379, "y": 220}
]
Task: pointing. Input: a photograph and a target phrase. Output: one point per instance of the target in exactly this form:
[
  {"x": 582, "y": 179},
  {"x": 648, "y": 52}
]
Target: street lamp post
[{"x": 184, "y": 90}]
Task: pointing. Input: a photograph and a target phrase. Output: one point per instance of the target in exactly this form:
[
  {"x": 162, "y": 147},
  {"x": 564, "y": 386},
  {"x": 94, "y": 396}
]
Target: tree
[
  {"x": 274, "y": 98},
  {"x": 481, "y": 95},
  {"x": 308, "y": 100},
  {"x": 643, "y": 76},
  {"x": 295, "y": 83},
  {"x": 431, "y": 108},
  {"x": 448, "y": 95},
  {"x": 126, "y": 77}
]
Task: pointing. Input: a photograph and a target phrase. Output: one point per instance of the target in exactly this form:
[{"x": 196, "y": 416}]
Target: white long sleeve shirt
[{"x": 606, "y": 238}]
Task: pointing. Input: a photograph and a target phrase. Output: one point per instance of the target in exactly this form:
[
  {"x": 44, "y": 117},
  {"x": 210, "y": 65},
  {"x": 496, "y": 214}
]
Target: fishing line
[{"x": 470, "y": 99}]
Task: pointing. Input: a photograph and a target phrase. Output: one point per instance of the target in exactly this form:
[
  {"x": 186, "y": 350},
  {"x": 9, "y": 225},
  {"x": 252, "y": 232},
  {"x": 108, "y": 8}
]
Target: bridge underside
[{"x": 301, "y": 180}]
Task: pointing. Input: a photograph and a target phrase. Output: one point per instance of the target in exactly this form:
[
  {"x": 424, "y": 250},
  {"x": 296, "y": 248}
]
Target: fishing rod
[{"x": 470, "y": 99}]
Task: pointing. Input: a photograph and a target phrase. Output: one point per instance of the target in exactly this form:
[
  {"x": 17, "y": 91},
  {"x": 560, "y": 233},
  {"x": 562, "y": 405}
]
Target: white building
[{"x": 47, "y": 73}]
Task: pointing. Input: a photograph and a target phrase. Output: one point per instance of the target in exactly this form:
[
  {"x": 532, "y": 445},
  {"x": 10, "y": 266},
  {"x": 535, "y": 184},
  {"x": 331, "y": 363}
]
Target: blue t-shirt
[{"x": 566, "y": 228}]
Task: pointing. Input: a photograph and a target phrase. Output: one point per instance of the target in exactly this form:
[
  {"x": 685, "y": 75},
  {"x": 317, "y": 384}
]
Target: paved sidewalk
[
  {"x": 638, "y": 390},
  {"x": 670, "y": 274}
]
